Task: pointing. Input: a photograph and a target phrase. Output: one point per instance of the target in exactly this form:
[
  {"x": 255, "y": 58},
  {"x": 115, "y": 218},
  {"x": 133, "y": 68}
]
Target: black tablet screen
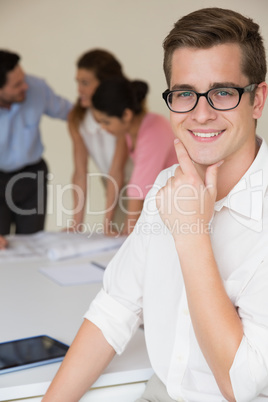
[{"x": 28, "y": 351}]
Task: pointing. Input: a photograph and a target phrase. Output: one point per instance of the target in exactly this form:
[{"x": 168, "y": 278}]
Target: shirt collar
[
  {"x": 12, "y": 108},
  {"x": 246, "y": 198}
]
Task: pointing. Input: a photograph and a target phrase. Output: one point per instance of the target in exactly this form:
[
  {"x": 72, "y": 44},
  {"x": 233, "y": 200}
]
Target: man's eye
[
  {"x": 224, "y": 92},
  {"x": 185, "y": 94}
]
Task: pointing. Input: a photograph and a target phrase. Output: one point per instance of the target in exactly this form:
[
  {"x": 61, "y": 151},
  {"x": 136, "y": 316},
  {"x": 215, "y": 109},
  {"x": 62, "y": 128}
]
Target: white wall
[{"x": 51, "y": 34}]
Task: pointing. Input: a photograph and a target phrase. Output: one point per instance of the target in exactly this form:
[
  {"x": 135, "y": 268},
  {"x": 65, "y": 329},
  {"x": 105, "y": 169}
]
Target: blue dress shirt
[{"x": 20, "y": 137}]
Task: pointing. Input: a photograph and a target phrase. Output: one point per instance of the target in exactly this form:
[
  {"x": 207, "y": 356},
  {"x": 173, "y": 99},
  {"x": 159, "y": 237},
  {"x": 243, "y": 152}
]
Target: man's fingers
[
  {"x": 184, "y": 159},
  {"x": 182, "y": 154}
]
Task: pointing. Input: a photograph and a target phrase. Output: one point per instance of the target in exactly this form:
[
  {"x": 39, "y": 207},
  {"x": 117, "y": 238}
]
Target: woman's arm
[
  {"x": 85, "y": 360},
  {"x": 79, "y": 179},
  {"x": 115, "y": 182}
]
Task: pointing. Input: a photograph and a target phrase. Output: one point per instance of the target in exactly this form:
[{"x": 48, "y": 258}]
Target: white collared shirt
[{"x": 144, "y": 282}]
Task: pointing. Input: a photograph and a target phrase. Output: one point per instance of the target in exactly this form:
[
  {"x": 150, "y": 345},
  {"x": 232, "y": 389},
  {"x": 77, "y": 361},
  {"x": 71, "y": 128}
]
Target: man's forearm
[
  {"x": 85, "y": 360},
  {"x": 216, "y": 323}
]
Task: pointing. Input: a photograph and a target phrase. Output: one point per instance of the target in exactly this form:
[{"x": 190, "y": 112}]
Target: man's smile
[{"x": 206, "y": 134}]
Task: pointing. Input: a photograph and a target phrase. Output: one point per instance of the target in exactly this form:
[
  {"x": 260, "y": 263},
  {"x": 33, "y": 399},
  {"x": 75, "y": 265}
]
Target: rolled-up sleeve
[
  {"x": 116, "y": 322},
  {"x": 249, "y": 372}
]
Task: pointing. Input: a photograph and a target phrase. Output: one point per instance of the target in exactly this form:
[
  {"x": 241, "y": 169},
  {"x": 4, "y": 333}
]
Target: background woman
[
  {"x": 88, "y": 138},
  {"x": 119, "y": 107}
]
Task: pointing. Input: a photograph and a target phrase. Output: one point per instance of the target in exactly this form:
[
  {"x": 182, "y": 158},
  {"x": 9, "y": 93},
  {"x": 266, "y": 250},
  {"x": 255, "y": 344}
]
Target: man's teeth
[{"x": 206, "y": 135}]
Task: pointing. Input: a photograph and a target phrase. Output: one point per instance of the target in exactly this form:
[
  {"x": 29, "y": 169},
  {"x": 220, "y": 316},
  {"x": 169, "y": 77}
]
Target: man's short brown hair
[{"x": 209, "y": 27}]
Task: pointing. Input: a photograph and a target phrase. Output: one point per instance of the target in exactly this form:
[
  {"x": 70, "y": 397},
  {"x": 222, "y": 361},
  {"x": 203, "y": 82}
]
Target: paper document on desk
[
  {"x": 66, "y": 274},
  {"x": 58, "y": 245},
  {"x": 78, "y": 273}
]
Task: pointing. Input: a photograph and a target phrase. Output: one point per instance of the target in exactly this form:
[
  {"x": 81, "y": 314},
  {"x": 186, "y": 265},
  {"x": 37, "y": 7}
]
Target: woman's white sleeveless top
[{"x": 99, "y": 143}]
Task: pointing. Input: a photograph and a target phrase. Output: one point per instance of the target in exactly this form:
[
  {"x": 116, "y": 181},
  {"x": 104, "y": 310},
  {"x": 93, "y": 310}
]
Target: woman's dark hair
[
  {"x": 8, "y": 61},
  {"x": 113, "y": 96},
  {"x": 104, "y": 65}
]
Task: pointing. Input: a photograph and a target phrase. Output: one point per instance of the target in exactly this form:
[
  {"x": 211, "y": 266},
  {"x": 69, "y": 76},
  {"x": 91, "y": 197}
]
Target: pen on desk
[{"x": 97, "y": 265}]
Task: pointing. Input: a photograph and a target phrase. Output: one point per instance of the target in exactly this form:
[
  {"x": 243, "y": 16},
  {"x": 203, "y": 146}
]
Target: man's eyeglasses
[{"x": 184, "y": 100}]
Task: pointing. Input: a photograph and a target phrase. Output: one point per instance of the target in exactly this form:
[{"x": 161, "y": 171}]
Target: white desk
[{"x": 32, "y": 304}]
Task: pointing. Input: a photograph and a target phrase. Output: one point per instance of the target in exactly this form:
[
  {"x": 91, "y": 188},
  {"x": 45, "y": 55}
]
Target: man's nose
[{"x": 203, "y": 110}]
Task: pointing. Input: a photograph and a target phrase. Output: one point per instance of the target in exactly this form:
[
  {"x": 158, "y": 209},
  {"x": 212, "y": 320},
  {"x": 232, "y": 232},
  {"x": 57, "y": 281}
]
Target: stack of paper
[
  {"x": 58, "y": 245},
  {"x": 72, "y": 245}
]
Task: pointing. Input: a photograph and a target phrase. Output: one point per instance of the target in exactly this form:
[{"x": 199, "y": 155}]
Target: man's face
[
  {"x": 15, "y": 88},
  {"x": 201, "y": 70}
]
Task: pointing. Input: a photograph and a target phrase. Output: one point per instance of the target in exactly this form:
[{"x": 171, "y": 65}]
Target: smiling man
[
  {"x": 24, "y": 99},
  {"x": 195, "y": 269}
]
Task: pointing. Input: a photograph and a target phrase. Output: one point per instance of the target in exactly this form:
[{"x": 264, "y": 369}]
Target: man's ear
[{"x": 259, "y": 100}]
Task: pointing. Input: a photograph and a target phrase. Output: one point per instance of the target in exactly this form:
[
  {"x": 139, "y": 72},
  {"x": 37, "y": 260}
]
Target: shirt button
[
  {"x": 180, "y": 400},
  {"x": 186, "y": 311}
]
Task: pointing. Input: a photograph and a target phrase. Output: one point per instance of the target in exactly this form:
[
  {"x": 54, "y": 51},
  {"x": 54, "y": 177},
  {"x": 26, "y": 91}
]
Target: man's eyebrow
[
  {"x": 182, "y": 86},
  {"x": 224, "y": 84},
  {"x": 213, "y": 85}
]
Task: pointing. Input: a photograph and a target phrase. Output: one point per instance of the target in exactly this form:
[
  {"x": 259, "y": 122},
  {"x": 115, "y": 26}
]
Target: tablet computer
[{"x": 30, "y": 352}]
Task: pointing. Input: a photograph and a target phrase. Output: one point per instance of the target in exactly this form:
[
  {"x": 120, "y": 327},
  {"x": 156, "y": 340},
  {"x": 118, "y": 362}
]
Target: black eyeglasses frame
[{"x": 241, "y": 91}]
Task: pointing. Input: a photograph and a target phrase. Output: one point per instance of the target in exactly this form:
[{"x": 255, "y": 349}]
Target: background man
[
  {"x": 195, "y": 269},
  {"x": 23, "y": 101}
]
